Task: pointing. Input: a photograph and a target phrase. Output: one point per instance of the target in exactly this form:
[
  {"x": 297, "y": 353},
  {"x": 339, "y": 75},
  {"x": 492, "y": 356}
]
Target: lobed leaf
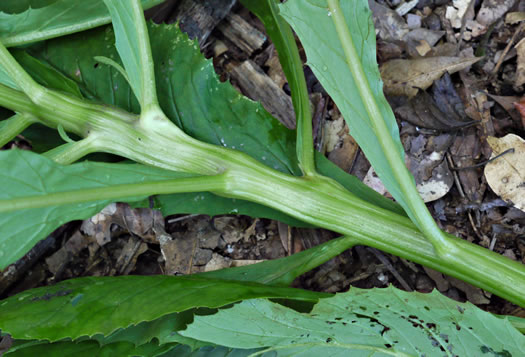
[
  {"x": 101, "y": 305},
  {"x": 374, "y": 322}
]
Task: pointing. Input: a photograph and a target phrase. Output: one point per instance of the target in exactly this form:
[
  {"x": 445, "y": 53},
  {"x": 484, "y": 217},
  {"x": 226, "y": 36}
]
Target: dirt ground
[{"x": 446, "y": 122}]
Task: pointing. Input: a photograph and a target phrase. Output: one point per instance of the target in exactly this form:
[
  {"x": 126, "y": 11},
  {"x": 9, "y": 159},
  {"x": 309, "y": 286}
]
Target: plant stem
[
  {"x": 18, "y": 75},
  {"x": 13, "y": 126},
  {"x": 443, "y": 246},
  {"x": 317, "y": 200},
  {"x": 181, "y": 185},
  {"x": 70, "y": 152}
]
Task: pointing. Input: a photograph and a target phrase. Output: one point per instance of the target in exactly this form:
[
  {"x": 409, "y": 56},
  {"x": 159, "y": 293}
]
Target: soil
[{"x": 121, "y": 240}]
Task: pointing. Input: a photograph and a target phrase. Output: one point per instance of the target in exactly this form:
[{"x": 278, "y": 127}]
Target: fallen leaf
[
  {"x": 520, "y": 70},
  {"x": 514, "y": 17},
  {"x": 390, "y": 26},
  {"x": 511, "y": 105},
  {"x": 493, "y": 10},
  {"x": 520, "y": 107},
  {"x": 406, "y": 77},
  {"x": 456, "y": 12},
  {"x": 506, "y": 175}
]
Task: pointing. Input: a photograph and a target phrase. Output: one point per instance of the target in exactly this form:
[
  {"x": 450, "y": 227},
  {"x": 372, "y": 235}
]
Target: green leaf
[
  {"x": 283, "y": 38},
  {"x": 46, "y": 75},
  {"x": 91, "y": 348},
  {"x": 53, "y": 19},
  {"x": 101, "y": 305},
  {"x": 313, "y": 24},
  {"x": 17, "y": 6},
  {"x": 132, "y": 43},
  {"x": 283, "y": 271},
  {"x": 185, "y": 351},
  {"x": 30, "y": 174},
  {"x": 373, "y": 322}
]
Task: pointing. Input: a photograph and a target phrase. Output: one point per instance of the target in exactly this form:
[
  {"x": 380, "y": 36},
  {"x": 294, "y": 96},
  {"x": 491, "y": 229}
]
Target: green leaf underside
[
  {"x": 205, "y": 108},
  {"x": 58, "y": 18},
  {"x": 313, "y": 24},
  {"x": 101, "y": 305},
  {"x": 30, "y": 174},
  {"x": 364, "y": 322}
]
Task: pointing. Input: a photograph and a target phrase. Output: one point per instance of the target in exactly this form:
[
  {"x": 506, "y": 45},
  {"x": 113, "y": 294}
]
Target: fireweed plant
[{"x": 145, "y": 93}]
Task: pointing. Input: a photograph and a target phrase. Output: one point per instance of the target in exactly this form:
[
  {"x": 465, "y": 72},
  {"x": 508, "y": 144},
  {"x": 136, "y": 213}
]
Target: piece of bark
[
  {"x": 241, "y": 33},
  {"x": 198, "y": 18},
  {"x": 255, "y": 84}
]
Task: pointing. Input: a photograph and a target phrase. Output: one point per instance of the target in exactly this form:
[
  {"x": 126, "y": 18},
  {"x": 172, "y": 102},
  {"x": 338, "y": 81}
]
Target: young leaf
[
  {"x": 132, "y": 42},
  {"x": 383, "y": 321},
  {"x": 86, "y": 303},
  {"x": 56, "y": 18},
  {"x": 30, "y": 174}
]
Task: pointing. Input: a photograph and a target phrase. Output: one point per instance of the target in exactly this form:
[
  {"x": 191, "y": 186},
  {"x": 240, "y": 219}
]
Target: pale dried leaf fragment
[
  {"x": 493, "y": 10},
  {"x": 506, "y": 175},
  {"x": 456, "y": 12},
  {"x": 406, "y": 77},
  {"x": 520, "y": 70},
  {"x": 514, "y": 17}
]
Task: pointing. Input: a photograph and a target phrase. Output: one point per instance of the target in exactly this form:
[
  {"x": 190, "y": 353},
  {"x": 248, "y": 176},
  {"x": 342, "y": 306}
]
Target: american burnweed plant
[{"x": 145, "y": 93}]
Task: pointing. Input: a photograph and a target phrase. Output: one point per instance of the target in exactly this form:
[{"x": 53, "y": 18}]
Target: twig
[
  {"x": 505, "y": 51},
  {"x": 390, "y": 268},
  {"x": 508, "y": 151}
]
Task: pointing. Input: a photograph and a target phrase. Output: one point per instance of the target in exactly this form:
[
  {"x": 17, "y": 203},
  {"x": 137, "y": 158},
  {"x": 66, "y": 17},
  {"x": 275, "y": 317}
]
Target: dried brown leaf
[
  {"x": 520, "y": 70},
  {"x": 506, "y": 175},
  {"x": 406, "y": 77}
]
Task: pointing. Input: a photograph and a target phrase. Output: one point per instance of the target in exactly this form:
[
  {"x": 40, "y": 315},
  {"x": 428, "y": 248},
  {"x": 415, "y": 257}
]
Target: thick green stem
[
  {"x": 70, "y": 152},
  {"x": 13, "y": 126},
  {"x": 317, "y": 200},
  {"x": 443, "y": 246}
]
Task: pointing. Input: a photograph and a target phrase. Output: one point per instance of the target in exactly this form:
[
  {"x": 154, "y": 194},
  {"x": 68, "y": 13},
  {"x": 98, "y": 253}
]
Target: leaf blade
[
  {"x": 364, "y": 320},
  {"x": 30, "y": 174},
  {"x": 86, "y": 303},
  {"x": 37, "y": 24}
]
